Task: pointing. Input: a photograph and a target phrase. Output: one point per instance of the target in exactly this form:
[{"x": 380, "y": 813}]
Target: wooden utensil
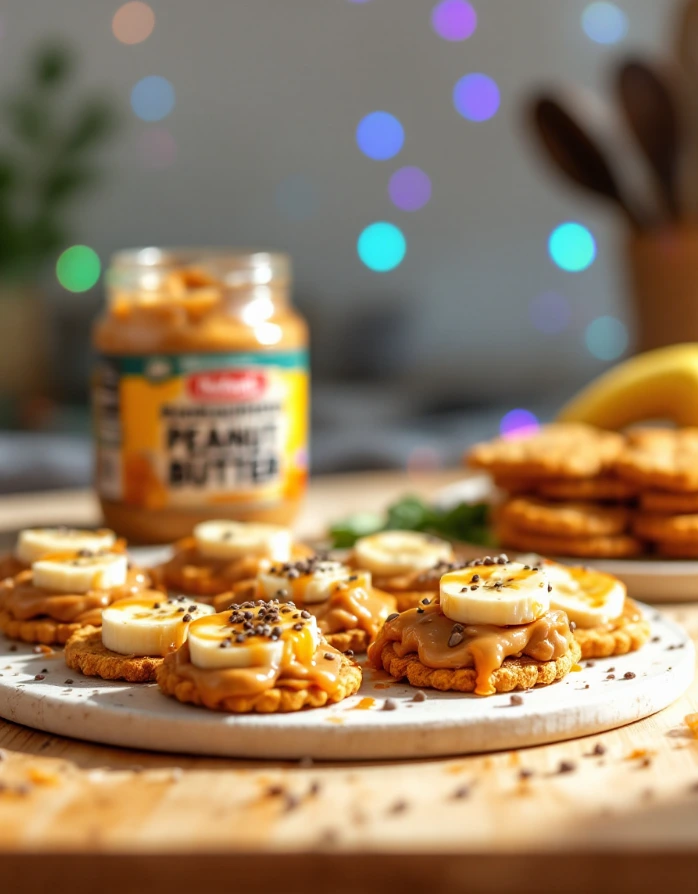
[
  {"x": 651, "y": 114},
  {"x": 577, "y": 155}
]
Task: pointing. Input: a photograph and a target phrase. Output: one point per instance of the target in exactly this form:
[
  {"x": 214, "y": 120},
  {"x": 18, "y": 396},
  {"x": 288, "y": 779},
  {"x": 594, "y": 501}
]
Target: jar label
[{"x": 201, "y": 429}]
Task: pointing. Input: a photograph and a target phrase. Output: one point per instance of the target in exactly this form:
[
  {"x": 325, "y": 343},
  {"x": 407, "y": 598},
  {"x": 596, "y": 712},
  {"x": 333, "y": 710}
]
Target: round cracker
[
  {"x": 37, "y": 630},
  {"x": 603, "y": 489},
  {"x": 278, "y": 699},
  {"x": 85, "y": 652},
  {"x": 515, "y": 673},
  {"x": 618, "y": 546},
  {"x": 571, "y": 519},
  {"x": 667, "y": 528},
  {"x": 625, "y": 634}
]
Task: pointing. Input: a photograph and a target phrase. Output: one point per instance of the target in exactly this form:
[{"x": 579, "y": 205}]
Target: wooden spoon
[
  {"x": 652, "y": 116},
  {"x": 577, "y": 155}
]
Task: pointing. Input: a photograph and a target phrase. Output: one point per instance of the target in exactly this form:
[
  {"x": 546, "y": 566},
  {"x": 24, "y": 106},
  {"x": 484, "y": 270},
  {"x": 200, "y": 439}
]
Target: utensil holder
[{"x": 662, "y": 280}]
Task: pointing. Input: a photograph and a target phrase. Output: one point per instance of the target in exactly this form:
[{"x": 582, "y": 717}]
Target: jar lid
[{"x": 232, "y": 267}]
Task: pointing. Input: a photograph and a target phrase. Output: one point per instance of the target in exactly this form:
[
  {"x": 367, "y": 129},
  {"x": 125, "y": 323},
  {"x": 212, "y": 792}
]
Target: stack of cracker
[
  {"x": 663, "y": 465},
  {"x": 565, "y": 492}
]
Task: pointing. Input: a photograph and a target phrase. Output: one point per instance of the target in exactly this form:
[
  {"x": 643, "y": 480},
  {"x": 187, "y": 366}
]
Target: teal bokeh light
[
  {"x": 572, "y": 247},
  {"x": 606, "y": 338},
  {"x": 382, "y": 246}
]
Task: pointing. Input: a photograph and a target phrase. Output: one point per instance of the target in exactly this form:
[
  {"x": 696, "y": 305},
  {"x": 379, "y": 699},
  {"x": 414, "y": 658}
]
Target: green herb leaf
[{"x": 466, "y": 522}]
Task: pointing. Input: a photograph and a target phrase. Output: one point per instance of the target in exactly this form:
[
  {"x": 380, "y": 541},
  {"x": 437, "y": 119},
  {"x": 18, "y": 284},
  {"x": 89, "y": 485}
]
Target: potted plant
[{"x": 46, "y": 153}]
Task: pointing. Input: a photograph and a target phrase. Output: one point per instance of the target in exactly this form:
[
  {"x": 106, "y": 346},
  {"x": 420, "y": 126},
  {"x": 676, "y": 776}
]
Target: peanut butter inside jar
[{"x": 200, "y": 392}]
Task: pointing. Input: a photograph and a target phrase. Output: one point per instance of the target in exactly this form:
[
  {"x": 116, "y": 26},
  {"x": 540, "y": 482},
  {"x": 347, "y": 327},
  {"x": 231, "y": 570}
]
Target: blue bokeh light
[
  {"x": 476, "y": 97},
  {"x": 572, "y": 247},
  {"x": 606, "y": 338},
  {"x": 380, "y": 136},
  {"x": 604, "y": 23},
  {"x": 153, "y": 98},
  {"x": 381, "y": 246}
]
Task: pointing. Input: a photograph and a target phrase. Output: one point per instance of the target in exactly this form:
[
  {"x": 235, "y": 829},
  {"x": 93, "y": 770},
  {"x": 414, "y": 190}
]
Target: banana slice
[
  {"x": 80, "y": 573},
  {"x": 149, "y": 624},
  {"x": 400, "y": 552},
  {"x": 35, "y": 543},
  {"x": 495, "y": 592},
  {"x": 309, "y": 581},
  {"x": 588, "y": 597},
  {"x": 253, "y": 635},
  {"x": 238, "y": 540}
]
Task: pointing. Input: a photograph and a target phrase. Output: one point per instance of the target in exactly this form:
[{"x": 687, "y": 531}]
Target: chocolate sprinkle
[
  {"x": 456, "y": 637},
  {"x": 628, "y": 675},
  {"x": 392, "y": 617},
  {"x": 389, "y": 705},
  {"x": 398, "y": 807},
  {"x": 516, "y": 700},
  {"x": 566, "y": 767},
  {"x": 419, "y": 696}
]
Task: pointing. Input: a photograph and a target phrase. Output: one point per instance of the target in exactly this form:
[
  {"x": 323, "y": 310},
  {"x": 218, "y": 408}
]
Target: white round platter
[
  {"x": 359, "y": 728},
  {"x": 647, "y": 579}
]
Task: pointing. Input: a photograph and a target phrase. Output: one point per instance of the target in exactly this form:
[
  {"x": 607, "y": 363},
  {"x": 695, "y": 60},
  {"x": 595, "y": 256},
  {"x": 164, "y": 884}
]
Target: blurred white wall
[{"x": 273, "y": 89}]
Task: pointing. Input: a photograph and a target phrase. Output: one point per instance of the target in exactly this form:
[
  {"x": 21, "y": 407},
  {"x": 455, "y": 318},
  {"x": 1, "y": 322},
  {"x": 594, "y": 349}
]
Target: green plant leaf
[
  {"x": 53, "y": 64},
  {"x": 63, "y": 182},
  {"x": 345, "y": 533},
  {"x": 95, "y": 121},
  {"x": 9, "y": 174},
  {"x": 465, "y": 522},
  {"x": 28, "y": 119}
]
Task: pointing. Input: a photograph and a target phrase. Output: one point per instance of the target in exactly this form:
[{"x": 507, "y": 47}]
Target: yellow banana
[{"x": 660, "y": 384}]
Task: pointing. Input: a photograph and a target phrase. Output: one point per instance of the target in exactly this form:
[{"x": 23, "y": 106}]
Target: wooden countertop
[{"x": 625, "y": 820}]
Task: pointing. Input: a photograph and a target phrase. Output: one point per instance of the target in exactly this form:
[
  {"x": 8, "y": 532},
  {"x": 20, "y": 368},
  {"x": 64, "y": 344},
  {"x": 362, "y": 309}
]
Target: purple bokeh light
[
  {"x": 518, "y": 423},
  {"x": 476, "y": 97},
  {"x": 157, "y": 148},
  {"x": 550, "y": 313},
  {"x": 409, "y": 189},
  {"x": 454, "y": 19}
]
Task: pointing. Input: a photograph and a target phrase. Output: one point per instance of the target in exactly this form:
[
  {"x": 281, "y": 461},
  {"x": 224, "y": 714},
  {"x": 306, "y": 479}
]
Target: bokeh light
[
  {"x": 606, "y": 338},
  {"x": 518, "y": 423},
  {"x": 454, "y": 19},
  {"x": 380, "y": 136},
  {"x": 78, "y": 268},
  {"x": 604, "y": 23},
  {"x": 550, "y": 313},
  {"x": 157, "y": 148},
  {"x": 572, "y": 247},
  {"x": 153, "y": 98},
  {"x": 133, "y": 22},
  {"x": 476, "y": 97},
  {"x": 382, "y": 246},
  {"x": 409, "y": 189},
  {"x": 297, "y": 198}
]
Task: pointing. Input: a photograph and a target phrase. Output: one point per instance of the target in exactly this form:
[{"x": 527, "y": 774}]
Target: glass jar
[{"x": 200, "y": 391}]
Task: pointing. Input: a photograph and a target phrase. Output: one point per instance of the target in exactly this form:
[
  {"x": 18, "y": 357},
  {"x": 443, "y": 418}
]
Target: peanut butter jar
[{"x": 199, "y": 392}]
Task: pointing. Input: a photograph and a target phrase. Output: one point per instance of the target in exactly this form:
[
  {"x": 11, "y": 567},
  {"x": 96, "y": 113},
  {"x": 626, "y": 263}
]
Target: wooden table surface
[{"x": 624, "y": 820}]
